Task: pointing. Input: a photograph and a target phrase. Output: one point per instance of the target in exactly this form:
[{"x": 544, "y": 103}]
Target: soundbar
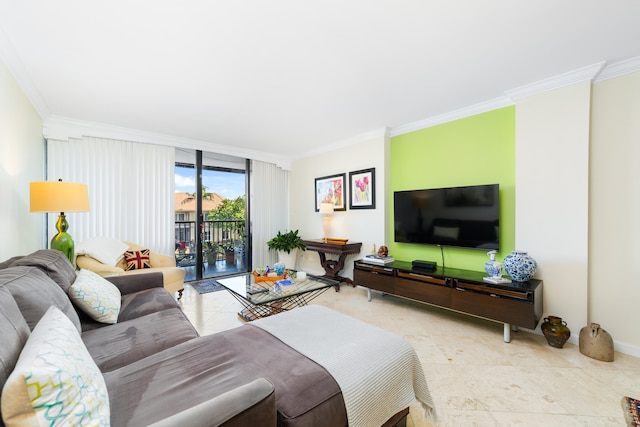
[{"x": 425, "y": 265}]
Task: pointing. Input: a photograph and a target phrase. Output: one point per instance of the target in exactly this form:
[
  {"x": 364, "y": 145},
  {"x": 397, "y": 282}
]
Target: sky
[{"x": 226, "y": 184}]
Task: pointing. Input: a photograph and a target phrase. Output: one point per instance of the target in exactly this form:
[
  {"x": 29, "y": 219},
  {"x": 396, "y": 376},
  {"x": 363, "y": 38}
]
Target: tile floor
[{"x": 474, "y": 377}]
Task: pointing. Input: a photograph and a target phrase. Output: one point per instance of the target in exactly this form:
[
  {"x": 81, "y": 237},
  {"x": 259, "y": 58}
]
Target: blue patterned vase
[
  {"x": 520, "y": 266},
  {"x": 493, "y": 267}
]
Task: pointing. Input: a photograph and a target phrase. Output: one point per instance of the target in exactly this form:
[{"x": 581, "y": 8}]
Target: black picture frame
[
  {"x": 362, "y": 189},
  {"x": 330, "y": 189}
]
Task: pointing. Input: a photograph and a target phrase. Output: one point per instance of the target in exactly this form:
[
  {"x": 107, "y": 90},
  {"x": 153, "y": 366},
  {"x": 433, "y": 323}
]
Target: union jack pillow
[{"x": 137, "y": 260}]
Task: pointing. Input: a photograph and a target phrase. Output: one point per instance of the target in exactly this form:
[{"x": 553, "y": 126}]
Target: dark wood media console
[{"x": 514, "y": 304}]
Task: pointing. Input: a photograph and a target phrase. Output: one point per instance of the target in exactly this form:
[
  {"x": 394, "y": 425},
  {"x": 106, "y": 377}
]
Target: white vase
[
  {"x": 493, "y": 267},
  {"x": 289, "y": 259}
]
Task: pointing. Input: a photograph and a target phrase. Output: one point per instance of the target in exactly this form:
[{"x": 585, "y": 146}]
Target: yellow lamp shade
[{"x": 58, "y": 196}]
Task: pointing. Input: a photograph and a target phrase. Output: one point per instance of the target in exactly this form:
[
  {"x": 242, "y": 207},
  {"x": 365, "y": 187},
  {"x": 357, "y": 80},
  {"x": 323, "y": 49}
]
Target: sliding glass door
[{"x": 211, "y": 212}]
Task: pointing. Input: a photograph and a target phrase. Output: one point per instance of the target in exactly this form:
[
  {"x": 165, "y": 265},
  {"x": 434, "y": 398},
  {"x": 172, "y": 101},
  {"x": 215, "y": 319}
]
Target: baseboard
[
  {"x": 626, "y": 348},
  {"x": 618, "y": 346}
]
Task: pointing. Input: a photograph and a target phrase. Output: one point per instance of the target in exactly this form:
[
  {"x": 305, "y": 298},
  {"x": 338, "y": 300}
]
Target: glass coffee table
[{"x": 266, "y": 298}]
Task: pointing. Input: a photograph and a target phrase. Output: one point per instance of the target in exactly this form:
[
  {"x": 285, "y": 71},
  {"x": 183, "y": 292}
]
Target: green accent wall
[{"x": 471, "y": 151}]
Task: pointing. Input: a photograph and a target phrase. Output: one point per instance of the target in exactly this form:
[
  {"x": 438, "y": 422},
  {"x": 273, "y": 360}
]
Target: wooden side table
[{"x": 332, "y": 267}]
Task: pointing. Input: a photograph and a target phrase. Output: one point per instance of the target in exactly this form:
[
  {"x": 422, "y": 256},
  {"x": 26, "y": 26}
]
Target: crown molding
[
  {"x": 367, "y": 136},
  {"x": 11, "y": 59},
  {"x": 620, "y": 68},
  {"x": 576, "y": 76},
  {"x": 472, "y": 110},
  {"x": 63, "y": 128},
  {"x": 596, "y": 72}
]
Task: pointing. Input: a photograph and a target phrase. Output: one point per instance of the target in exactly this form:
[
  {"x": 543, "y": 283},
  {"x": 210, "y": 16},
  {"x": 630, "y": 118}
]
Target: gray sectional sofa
[{"x": 156, "y": 368}]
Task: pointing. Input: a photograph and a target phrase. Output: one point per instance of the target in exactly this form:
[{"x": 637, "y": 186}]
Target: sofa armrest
[
  {"x": 131, "y": 283},
  {"x": 89, "y": 263},
  {"x": 252, "y": 404},
  {"x": 160, "y": 260}
]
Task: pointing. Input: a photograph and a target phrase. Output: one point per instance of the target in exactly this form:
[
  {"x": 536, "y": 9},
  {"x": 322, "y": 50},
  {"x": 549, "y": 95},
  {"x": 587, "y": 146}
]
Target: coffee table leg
[{"x": 252, "y": 311}]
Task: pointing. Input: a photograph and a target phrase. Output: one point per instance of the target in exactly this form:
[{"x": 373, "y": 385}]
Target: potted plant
[
  {"x": 287, "y": 244},
  {"x": 228, "y": 248},
  {"x": 210, "y": 252}
]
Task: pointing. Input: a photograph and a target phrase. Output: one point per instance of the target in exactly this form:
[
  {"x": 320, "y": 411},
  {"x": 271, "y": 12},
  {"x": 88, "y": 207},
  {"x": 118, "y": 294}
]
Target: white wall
[
  {"x": 361, "y": 225},
  {"x": 552, "y": 195},
  {"x": 614, "y": 240},
  {"x": 21, "y": 161}
]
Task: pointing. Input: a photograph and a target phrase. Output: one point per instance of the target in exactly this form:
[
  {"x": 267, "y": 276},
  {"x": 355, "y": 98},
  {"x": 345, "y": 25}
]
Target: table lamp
[
  {"x": 326, "y": 209},
  {"x": 58, "y": 196}
]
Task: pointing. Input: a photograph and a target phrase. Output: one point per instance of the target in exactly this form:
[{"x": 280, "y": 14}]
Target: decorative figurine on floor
[
  {"x": 555, "y": 330},
  {"x": 596, "y": 343}
]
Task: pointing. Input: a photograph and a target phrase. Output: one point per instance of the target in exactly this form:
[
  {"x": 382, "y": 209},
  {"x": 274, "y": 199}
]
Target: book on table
[{"x": 374, "y": 259}]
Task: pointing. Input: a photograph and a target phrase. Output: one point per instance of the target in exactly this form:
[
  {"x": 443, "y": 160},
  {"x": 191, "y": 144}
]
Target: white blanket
[{"x": 378, "y": 372}]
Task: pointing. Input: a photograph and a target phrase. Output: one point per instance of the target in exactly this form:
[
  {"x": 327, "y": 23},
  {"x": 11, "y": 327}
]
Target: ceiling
[{"x": 288, "y": 77}]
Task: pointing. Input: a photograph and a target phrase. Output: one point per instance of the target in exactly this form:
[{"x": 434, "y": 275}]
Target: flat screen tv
[{"x": 464, "y": 217}]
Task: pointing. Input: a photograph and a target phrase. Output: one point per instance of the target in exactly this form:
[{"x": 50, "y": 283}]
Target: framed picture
[
  {"x": 330, "y": 189},
  {"x": 362, "y": 189}
]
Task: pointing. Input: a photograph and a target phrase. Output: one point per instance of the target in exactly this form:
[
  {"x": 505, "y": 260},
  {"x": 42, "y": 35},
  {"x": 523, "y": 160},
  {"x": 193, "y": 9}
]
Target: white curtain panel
[
  {"x": 269, "y": 209},
  {"x": 131, "y": 190}
]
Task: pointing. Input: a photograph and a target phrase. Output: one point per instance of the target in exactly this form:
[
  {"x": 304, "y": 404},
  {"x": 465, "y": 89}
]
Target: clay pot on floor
[
  {"x": 555, "y": 330},
  {"x": 596, "y": 343}
]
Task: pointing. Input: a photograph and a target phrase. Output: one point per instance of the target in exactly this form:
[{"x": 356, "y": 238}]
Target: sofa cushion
[
  {"x": 171, "y": 381},
  {"x": 136, "y": 305},
  {"x": 55, "y": 381},
  {"x": 35, "y": 293},
  {"x": 126, "y": 342},
  {"x": 106, "y": 250},
  {"x": 96, "y": 296},
  {"x": 145, "y": 302},
  {"x": 173, "y": 277},
  {"x": 14, "y": 332},
  {"x": 54, "y": 263},
  {"x": 137, "y": 260}
]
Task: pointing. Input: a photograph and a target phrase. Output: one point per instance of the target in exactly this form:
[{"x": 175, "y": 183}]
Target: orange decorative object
[
  {"x": 337, "y": 241},
  {"x": 257, "y": 278}
]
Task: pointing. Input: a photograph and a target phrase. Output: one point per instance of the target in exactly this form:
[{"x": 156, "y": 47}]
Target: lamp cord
[{"x": 442, "y": 255}]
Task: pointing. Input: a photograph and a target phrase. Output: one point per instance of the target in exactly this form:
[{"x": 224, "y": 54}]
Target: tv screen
[{"x": 465, "y": 217}]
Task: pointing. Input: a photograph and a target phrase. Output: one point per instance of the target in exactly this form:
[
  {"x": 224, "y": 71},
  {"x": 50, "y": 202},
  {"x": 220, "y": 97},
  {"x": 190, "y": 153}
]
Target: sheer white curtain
[
  {"x": 131, "y": 189},
  {"x": 269, "y": 208}
]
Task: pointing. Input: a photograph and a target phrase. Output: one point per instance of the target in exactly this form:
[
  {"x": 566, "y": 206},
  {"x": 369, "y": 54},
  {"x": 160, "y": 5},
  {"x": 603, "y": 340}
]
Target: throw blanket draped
[{"x": 378, "y": 372}]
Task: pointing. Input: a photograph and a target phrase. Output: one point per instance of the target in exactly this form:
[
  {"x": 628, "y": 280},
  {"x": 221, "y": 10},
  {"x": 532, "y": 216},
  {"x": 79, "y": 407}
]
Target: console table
[
  {"x": 332, "y": 267},
  {"x": 514, "y": 304}
]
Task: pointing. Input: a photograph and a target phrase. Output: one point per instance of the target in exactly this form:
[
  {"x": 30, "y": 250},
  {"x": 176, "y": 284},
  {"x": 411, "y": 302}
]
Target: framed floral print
[
  {"x": 330, "y": 189},
  {"x": 362, "y": 185}
]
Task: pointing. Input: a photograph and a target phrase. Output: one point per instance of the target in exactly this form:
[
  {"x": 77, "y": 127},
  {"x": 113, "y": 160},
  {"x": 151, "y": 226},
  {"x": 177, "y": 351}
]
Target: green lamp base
[{"x": 63, "y": 241}]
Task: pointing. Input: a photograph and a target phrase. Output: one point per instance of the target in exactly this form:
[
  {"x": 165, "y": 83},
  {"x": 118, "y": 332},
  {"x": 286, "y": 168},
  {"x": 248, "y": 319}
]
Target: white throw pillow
[
  {"x": 55, "y": 381},
  {"x": 96, "y": 296},
  {"x": 106, "y": 250}
]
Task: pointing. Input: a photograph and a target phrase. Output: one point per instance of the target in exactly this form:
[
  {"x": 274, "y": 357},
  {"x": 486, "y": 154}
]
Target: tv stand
[{"x": 514, "y": 304}]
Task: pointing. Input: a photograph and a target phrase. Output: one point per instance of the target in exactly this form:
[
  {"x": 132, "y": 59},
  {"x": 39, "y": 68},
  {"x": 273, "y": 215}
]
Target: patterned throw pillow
[
  {"x": 137, "y": 259},
  {"x": 55, "y": 381},
  {"x": 96, "y": 296}
]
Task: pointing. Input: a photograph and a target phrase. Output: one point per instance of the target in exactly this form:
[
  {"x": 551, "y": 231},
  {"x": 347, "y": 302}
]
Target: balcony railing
[{"x": 217, "y": 237}]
